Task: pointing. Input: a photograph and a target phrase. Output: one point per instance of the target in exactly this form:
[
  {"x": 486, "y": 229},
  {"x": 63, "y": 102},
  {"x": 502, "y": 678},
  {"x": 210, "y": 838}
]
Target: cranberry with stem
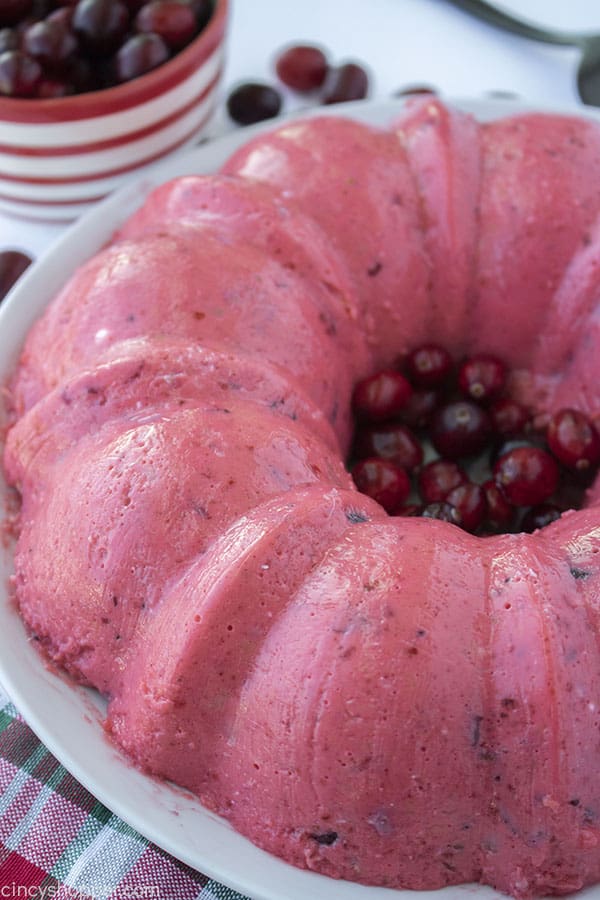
[
  {"x": 482, "y": 378},
  {"x": 429, "y": 365},
  {"x": 573, "y": 439},
  {"x": 460, "y": 429}
]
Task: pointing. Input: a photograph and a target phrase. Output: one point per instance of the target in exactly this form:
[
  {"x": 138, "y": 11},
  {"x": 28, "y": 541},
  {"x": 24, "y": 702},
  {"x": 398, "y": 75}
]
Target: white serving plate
[{"x": 67, "y": 718}]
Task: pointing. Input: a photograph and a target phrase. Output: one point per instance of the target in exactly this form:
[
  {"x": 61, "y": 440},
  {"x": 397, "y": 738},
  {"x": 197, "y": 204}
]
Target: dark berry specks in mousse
[{"x": 444, "y": 439}]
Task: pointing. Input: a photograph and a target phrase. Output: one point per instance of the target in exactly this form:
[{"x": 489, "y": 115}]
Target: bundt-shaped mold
[{"x": 391, "y": 701}]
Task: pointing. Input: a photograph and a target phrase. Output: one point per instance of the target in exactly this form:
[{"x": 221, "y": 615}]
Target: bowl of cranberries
[{"x": 91, "y": 90}]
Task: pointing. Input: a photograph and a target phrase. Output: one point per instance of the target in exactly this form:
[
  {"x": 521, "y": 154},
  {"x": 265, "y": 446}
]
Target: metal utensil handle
[{"x": 493, "y": 16}]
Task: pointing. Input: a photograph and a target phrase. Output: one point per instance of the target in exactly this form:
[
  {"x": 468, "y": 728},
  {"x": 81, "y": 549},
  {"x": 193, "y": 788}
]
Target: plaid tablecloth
[{"x": 57, "y": 842}]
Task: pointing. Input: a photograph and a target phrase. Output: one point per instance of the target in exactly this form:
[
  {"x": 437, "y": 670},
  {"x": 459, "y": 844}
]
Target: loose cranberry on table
[
  {"x": 347, "y": 82},
  {"x": 526, "y": 475},
  {"x": 253, "y": 102},
  {"x": 385, "y": 482},
  {"x": 12, "y": 265},
  {"x": 381, "y": 396},
  {"x": 573, "y": 439},
  {"x": 302, "y": 67}
]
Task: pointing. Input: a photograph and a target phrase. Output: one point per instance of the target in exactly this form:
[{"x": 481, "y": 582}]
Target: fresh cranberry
[
  {"x": 411, "y": 89},
  {"x": 101, "y": 26},
  {"x": 381, "y": 396},
  {"x": 51, "y": 88},
  {"x": 138, "y": 55},
  {"x": 419, "y": 408},
  {"x": 302, "y": 67},
  {"x": 573, "y": 439},
  {"x": 470, "y": 503},
  {"x": 347, "y": 82},
  {"x": 49, "y": 42},
  {"x": 202, "y": 9},
  {"x": 438, "y": 478},
  {"x": 442, "y": 511},
  {"x": 173, "y": 21},
  {"x": 19, "y": 74},
  {"x": 460, "y": 429},
  {"x": 383, "y": 481},
  {"x": 527, "y": 475},
  {"x": 9, "y": 40},
  {"x": 508, "y": 417},
  {"x": 429, "y": 365},
  {"x": 409, "y": 509},
  {"x": 390, "y": 441},
  {"x": 81, "y": 75},
  {"x": 500, "y": 512},
  {"x": 12, "y": 11},
  {"x": 482, "y": 378},
  {"x": 253, "y": 102},
  {"x": 539, "y": 516},
  {"x": 12, "y": 265}
]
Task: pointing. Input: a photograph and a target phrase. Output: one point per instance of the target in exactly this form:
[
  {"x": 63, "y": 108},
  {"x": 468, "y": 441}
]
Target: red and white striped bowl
[{"x": 59, "y": 156}]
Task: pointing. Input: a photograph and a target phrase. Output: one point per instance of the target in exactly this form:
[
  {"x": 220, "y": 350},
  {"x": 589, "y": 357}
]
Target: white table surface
[{"x": 402, "y": 42}]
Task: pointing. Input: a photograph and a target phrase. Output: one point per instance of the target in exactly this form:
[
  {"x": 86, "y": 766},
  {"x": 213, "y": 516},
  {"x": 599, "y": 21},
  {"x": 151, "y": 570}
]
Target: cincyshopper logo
[{"x": 49, "y": 892}]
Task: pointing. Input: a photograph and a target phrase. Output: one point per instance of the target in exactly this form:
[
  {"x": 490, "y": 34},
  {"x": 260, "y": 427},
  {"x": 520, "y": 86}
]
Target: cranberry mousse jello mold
[
  {"x": 60, "y": 155},
  {"x": 383, "y": 699}
]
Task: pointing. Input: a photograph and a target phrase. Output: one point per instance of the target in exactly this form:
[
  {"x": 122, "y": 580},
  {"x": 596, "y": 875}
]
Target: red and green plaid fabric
[{"x": 57, "y": 842}]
